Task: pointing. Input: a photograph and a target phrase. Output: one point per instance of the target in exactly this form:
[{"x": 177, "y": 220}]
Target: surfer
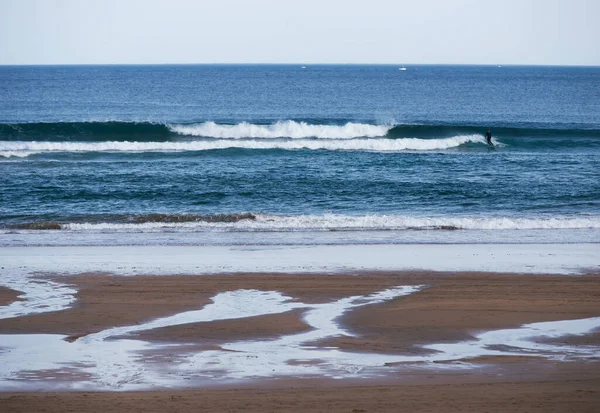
[{"x": 488, "y": 137}]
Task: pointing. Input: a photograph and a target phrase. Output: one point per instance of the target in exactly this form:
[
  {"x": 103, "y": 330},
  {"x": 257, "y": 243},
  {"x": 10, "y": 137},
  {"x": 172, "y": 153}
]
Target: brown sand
[
  {"x": 452, "y": 307},
  {"x": 8, "y": 296},
  {"x": 273, "y": 326},
  {"x": 105, "y": 301},
  {"x": 563, "y": 389}
]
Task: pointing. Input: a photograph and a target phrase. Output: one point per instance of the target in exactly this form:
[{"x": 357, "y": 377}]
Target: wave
[
  {"x": 151, "y": 131},
  {"x": 284, "y": 129},
  {"x": 148, "y": 131},
  {"x": 156, "y": 218},
  {"x": 249, "y": 222},
  {"x": 82, "y": 131},
  {"x": 445, "y": 130},
  {"x": 9, "y": 149},
  {"x": 15, "y": 154}
]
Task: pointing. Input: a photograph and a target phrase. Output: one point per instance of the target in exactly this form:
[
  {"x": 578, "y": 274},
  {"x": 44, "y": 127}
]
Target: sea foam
[
  {"x": 282, "y": 129},
  {"x": 333, "y": 222},
  {"x": 377, "y": 145}
]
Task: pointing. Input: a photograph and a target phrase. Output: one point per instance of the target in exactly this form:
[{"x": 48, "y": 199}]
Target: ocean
[{"x": 292, "y": 154}]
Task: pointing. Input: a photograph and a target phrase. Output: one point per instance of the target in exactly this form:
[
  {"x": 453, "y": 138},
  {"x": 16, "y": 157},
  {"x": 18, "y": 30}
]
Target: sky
[{"x": 545, "y": 32}]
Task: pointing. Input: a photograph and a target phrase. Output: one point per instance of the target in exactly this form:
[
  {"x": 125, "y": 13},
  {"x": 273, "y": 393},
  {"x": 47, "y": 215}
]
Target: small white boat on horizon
[{"x": 402, "y": 68}]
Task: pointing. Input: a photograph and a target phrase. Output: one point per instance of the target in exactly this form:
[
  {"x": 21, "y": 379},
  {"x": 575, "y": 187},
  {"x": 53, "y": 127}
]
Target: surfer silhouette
[{"x": 488, "y": 137}]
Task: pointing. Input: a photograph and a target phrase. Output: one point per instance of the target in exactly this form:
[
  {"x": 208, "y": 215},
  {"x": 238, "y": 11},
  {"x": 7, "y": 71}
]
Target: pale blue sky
[{"x": 300, "y": 31}]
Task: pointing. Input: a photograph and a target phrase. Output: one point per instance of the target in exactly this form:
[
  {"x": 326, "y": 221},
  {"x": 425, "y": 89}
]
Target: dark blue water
[{"x": 357, "y": 149}]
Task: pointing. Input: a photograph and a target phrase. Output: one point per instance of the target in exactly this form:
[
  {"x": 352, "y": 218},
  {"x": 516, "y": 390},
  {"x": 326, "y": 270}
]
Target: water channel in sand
[{"x": 106, "y": 360}]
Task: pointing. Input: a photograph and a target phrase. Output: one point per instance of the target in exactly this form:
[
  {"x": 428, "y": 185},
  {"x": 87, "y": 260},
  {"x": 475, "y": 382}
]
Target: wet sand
[
  {"x": 558, "y": 388},
  {"x": 7, "y": 296},
  {"x": 452, "y": 307}
]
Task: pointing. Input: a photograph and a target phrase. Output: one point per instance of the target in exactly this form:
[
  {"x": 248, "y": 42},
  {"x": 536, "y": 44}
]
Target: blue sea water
[{"x": 286, "y": 154}]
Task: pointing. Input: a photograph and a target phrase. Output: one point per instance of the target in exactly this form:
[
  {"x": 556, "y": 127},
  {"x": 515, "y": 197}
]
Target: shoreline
[
  {"x": 302, "y": 237},
  {"x": 215, "y": 259}
]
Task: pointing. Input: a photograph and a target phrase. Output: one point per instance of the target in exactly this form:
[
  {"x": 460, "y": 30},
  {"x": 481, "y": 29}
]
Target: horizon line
[{"x": 303, "y": 64}]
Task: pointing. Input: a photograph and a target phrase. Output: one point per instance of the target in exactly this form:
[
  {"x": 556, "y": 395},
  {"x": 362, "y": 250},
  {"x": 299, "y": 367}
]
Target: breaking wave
[
  {"x": 248, "y": 222},
  {"x": 150, "y": 131},
  {"x": 23, "y": 140},
  {"x": 127, "y": 221},
  {"x": 8, "y": 149},
  {"x": 284, "y": 129},
  {"x": 294, "y": 129}
]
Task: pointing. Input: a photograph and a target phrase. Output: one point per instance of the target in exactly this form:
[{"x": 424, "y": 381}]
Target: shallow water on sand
[{"x": 105, "y": 360}]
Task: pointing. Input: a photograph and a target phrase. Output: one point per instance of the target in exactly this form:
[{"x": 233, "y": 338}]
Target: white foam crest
[
  {"x": 329, "y": 222},
  {"x": 282, "y": 129},
  {"x": 375, "y": 145},
  {"x": 16, "y": 154}
]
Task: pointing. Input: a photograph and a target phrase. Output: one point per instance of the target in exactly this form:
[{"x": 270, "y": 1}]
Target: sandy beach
[
  {"x": 450, "y": 308},
  {"x": 447, "y": 308},
  {"x": 569, "y": 390}
]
